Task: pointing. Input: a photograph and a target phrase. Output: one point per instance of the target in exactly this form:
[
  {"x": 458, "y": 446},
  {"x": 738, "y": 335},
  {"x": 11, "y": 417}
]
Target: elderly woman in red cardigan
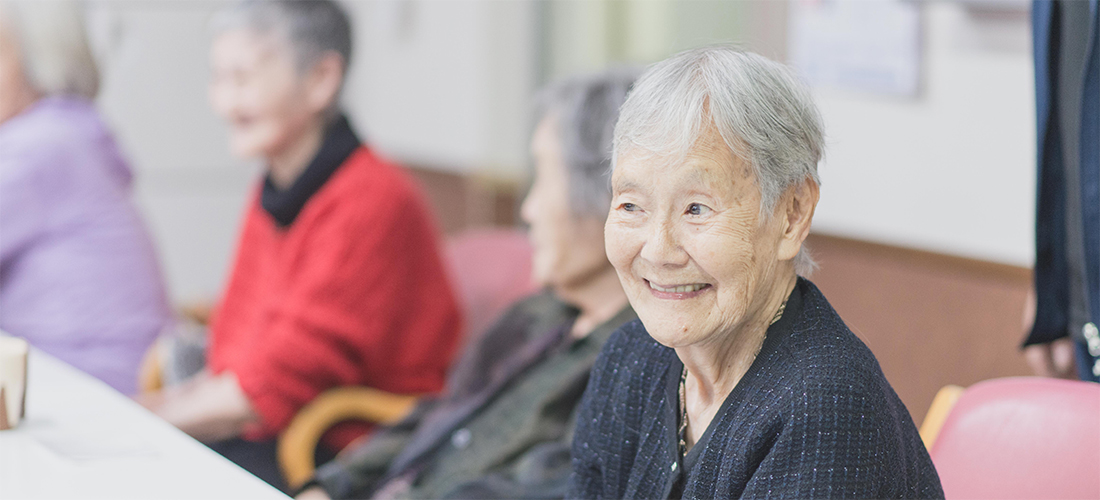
[{"x": 337, "y": 278}]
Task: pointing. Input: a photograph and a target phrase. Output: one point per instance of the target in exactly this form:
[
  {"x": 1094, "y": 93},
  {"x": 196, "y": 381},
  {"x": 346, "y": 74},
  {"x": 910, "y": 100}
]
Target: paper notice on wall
[{"x": 857, "y": 45}]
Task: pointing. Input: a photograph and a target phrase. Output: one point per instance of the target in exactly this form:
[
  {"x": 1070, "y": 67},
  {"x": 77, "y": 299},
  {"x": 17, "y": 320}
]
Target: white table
[{"x": 82, "y": 439}]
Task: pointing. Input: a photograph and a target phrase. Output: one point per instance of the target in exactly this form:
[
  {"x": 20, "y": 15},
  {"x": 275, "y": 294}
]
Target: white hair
[
  {"x": 53, "y": 45},
  {"x": 763, "y": 112},
  {"x": 586, "y": 109}
]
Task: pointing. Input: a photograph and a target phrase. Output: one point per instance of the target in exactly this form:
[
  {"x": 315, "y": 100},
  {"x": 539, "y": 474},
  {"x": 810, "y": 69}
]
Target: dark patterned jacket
[
  {"x": 813, "y": 417},
  {"x": 504, "y": 425}
]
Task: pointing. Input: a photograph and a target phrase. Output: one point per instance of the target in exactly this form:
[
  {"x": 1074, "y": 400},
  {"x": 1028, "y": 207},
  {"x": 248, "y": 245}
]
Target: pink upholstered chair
[
  {"x": 1024, "y": 437},
  {"x": 490, "y": 270}
]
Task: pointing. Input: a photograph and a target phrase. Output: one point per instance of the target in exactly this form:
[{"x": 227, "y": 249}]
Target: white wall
[
  {"x": 191, "y": 191},
  {"x": 952, "y": 171},
  {"x": 446, "y": 83}
]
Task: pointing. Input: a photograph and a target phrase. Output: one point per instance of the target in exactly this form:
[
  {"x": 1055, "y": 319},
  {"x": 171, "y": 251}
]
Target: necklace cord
[{"x": 682, "y": 431}]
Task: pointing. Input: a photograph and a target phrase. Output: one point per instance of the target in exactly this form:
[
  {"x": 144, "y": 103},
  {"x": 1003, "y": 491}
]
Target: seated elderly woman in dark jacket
[
  {"x": 739, "y": 380},
  {"x": 502, "y": 429}
]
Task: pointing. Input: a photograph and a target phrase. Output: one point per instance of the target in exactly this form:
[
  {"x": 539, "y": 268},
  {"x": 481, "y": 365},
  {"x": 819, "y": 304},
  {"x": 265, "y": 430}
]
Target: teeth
[{"x": 678, "y": 289}]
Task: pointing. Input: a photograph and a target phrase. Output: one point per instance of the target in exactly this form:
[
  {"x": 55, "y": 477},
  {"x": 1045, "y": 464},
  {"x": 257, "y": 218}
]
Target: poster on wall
[{"x": 857, "y": 46}]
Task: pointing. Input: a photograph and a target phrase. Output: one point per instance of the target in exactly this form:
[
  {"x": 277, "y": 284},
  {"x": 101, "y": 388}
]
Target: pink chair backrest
[
  {"x": 490, "y": 269},
  {"x": 1024, "y": 437}
]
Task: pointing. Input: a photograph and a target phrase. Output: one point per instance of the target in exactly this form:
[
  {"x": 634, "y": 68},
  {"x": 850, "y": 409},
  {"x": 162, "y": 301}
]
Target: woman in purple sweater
[{"x": 79, "y": 277}]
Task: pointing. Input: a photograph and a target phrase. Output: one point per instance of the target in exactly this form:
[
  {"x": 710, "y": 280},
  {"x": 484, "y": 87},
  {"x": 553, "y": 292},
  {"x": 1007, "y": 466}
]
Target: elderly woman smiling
[{"x": 740, "y": 380}]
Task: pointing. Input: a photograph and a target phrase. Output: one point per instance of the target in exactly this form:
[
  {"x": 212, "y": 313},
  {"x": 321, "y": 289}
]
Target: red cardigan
[{"x": 353, "y": 292}]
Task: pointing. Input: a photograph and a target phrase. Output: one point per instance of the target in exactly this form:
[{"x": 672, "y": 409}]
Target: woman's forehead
[
  {"x": 706, "y": 165},
  {"x": 248, "y": 46}
]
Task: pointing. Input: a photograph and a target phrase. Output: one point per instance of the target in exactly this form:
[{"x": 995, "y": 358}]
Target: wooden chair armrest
[
  {"x": 199, "y": 312},
  {"x": 937, "y": 413},
  {"x": 150, "y": 378},
  {"x": 298, "y": 442}
]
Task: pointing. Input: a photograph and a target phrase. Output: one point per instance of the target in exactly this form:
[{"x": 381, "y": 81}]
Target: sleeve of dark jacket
[
  {"x": 356, "y": 472},
  {"x": 541, "y": 472},
  {"x": 1050, "y": 254},
  {"x": 586, "y": 480}
]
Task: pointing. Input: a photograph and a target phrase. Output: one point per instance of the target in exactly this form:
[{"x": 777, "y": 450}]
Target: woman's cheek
[
  {"x": 623, "y": 242},
  {"x": 614, "y": 244}
]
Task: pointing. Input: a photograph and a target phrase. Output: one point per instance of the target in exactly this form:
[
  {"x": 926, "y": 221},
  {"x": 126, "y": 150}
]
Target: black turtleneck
[{"x": 284, "y": 204}]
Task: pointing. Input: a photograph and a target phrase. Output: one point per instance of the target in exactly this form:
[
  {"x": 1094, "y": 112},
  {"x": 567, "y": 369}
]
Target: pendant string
[{"x": 682, "y": 432}]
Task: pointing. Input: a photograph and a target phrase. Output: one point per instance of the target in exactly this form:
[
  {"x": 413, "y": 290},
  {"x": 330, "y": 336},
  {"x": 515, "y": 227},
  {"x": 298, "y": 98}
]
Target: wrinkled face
[
  {"x": 688, "y": 242},
  {"x": 568, "y": 250},
  {"x": 257, "y": 89}
]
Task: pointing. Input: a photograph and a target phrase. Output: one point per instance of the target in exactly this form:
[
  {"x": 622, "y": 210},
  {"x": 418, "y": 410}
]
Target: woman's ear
[
  {"x": 797, "y": 209},
  {"x": 324, "y": 81}
]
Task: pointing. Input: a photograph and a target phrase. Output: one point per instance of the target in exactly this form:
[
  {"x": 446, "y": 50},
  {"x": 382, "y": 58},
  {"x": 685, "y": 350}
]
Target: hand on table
[
  {"x": 208, "y": 407},
  {"x": 313, "y": 493}
]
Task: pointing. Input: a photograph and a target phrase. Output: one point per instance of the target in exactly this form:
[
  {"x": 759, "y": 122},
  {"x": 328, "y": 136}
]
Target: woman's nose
[{"x": 662, "y": 246}]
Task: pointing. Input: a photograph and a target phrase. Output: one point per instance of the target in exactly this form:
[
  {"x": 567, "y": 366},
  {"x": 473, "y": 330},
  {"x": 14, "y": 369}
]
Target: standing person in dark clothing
[
  {"x": 503, "y": 428},
  {"x": 1064, "y": 333},
  {"x": 739, "y": 380}
]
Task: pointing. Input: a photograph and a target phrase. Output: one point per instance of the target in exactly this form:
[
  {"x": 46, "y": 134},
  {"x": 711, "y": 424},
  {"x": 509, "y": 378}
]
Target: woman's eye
[
  {"x": 629, "y": 207},
  {"x": 697, "y": 209}
]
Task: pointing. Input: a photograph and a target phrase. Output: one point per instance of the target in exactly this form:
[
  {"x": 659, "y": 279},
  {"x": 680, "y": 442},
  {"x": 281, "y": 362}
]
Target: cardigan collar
[
  {"x": 774, "y": 338},
  {"x": 284, "y": 205}
]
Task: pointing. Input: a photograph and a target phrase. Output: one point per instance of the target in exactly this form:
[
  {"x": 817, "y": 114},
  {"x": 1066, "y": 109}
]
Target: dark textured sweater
[{"x": 813, "y": 417}]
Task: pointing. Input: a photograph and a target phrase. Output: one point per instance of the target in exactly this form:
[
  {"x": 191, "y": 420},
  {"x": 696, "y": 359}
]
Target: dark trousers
[
  {"x": 260, "y": 458},
  {"x": 257, "y": 457}
]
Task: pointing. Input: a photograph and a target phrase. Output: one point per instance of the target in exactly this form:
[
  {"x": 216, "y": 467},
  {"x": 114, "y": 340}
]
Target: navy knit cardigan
[{"x": 813, "y": 417}]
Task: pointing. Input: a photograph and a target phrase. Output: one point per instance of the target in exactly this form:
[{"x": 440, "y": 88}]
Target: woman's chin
[
  {"x": 251, "y": 145},
  {"x": 245, "y": 151},
  {"x": 669, "y": 335}
]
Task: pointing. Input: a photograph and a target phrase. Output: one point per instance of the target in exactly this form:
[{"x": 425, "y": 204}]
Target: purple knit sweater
[{"x": 79, "y": 278}]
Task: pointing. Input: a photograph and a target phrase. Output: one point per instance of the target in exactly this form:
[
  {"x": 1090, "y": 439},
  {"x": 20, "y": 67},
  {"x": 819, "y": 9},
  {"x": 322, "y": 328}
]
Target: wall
[
  {"x": 588, "y": 35},
  {"x": 448, "y": 83},
  {"x": 191, "y": 191},
  {"x": 951, "y": 171}
]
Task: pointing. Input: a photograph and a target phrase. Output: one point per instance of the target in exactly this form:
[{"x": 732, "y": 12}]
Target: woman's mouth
[{"x": 681, "y": 291}]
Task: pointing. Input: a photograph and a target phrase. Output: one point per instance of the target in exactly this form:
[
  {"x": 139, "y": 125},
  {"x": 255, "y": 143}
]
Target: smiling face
[
  {"x": 568, "y": 249},
  {"x": 256, "y": 88},
  {"x": 690, "y": 246}
]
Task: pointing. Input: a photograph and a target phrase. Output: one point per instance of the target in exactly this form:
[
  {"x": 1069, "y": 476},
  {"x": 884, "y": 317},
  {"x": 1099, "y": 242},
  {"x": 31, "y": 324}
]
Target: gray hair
[
  {"x": 310, "y": 28},
  {"x": 763, "y": 112},
  {"x": 54, "y": 46},
  {"x": 586, "y": 109}
]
